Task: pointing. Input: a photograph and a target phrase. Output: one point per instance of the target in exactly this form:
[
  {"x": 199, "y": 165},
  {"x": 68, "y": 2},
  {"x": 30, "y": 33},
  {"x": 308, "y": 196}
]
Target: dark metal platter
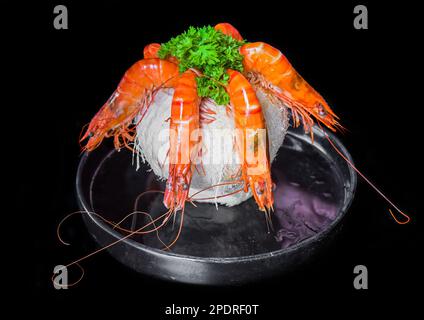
[{"x": 222, "y": 245}]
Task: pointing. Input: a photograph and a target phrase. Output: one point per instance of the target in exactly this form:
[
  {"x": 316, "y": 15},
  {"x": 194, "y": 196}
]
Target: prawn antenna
[{"x": 368, "y": 181}]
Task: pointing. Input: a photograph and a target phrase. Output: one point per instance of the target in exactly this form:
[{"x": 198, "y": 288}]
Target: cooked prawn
[
  {"x": 131, "y": 98},
  {"x": 249, "y": 119},
  {"x": 184, "y": 135}
]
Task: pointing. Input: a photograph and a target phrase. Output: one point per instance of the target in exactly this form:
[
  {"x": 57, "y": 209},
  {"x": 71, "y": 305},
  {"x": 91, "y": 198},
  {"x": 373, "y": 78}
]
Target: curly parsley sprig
[{"x": 209, "y": 51}]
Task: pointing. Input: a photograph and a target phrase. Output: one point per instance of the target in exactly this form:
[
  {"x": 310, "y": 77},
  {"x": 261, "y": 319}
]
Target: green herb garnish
[{"x": 209, "y": 51}]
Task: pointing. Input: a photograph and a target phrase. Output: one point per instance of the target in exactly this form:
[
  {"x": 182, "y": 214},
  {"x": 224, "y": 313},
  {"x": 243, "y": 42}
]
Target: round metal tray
[{"x": 222, "y": 245}]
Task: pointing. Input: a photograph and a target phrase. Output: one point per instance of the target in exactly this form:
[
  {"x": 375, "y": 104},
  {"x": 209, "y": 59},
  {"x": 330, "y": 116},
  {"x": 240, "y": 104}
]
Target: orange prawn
[
  {"x": 151, "y": 51},
  {"x": 248, "y": 118},
  {"x": 229, "y": 30},
  {"x": 132, "y": 97},
  {"x": 266, "y": 66},
  {"x": 271, "y": 69},
  {"x": 184, "y": 126}
]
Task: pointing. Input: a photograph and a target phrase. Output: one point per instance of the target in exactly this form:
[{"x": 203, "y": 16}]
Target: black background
[{"x": 365, "y": 75}]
